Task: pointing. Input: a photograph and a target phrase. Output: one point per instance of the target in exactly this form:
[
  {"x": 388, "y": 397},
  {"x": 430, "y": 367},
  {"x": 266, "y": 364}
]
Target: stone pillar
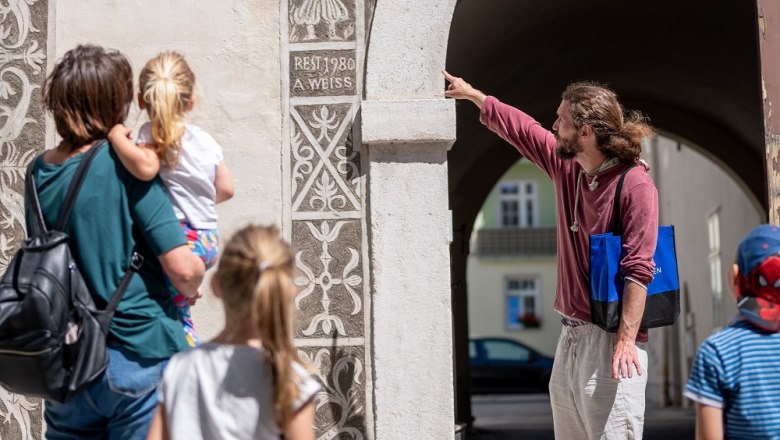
[
  {"x": 407, "y": 144},
  {"x": 23, "y": 61},
  {"x": 407, "y": 128},
  {"x": 324, "y": 199},
  {"x": 769, "y": 44}
]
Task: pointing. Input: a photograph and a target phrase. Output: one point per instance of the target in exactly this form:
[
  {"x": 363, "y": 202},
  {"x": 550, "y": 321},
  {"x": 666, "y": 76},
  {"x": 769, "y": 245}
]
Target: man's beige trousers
[{"x": 586, "y": 402}]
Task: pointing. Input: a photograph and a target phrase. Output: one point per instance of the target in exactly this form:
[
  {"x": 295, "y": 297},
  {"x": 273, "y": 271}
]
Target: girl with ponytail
[
  {"x": 248, "y": 382},
  {"x": 189, "y": 160}
]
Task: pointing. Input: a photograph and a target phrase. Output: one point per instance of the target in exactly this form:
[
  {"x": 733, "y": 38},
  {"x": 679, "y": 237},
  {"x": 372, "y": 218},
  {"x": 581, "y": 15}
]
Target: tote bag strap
[{"x": 617, "y": 225}]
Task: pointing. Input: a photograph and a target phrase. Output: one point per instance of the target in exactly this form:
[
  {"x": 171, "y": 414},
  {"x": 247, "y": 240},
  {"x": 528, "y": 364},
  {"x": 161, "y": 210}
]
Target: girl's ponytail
[
  {"x": 167, "y": 85},
  {"x": 271, "y": 307}
]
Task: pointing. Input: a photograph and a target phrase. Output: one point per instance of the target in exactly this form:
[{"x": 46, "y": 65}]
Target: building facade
[
  {"x": 280, "y": 86},
  {"x": 711, "y": 212},
  {"x": 333, "y": 120},
  {"x": 512, "y": 268}
]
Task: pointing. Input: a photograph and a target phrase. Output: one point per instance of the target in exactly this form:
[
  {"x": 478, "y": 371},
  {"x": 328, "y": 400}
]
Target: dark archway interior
[{"x": 691, "y": 65}]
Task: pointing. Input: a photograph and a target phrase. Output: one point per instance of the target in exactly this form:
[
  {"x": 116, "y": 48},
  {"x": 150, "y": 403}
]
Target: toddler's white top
[{"x": 191, "y": 182}]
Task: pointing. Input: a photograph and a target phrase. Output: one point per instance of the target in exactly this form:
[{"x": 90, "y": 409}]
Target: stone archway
[
  {"x": 360, "y": 144},
  {"x": 407, "y": 128},
  {"x": 692, "y": 69}
]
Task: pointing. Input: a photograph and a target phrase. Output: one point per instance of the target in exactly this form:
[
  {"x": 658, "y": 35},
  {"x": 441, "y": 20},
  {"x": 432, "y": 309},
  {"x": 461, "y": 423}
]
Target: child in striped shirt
[{"x": 736, "y": 375}]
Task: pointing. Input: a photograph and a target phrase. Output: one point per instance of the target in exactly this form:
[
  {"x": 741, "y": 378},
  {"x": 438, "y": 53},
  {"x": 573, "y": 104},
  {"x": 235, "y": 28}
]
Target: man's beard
[{"x": 566, "y": 148}]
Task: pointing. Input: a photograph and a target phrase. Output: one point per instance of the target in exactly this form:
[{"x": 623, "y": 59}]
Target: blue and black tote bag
[{"x": 606, "y": 285}]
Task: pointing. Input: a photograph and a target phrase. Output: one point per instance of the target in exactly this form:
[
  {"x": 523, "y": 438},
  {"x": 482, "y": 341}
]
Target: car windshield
[{"x": 506, "y": 351}]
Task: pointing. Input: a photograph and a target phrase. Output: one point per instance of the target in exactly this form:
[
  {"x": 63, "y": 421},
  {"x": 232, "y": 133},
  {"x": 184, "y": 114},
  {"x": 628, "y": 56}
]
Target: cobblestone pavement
[{"x": 529, "y": 417}]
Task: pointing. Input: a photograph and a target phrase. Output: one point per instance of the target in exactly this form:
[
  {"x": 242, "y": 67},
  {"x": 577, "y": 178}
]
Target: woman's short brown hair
[{"x": 88, "y": 92}]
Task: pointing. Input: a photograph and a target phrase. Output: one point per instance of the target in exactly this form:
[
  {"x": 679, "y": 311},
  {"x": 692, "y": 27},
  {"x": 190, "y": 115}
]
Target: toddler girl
[
  {"x": 248, "y": 382},
  {"x": 190, "y": 162}
]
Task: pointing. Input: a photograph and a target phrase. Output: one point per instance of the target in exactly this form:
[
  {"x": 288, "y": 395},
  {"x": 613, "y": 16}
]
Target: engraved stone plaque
[{"x": 323, "y": 73}]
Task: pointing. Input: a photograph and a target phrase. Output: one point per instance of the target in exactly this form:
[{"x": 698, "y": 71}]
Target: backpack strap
[
  {"x": 136, "y": 260},
  {"x": 617, "y": 225},
  {"x": 38, "y": 225},
  {"x": 75, "y": 184}
]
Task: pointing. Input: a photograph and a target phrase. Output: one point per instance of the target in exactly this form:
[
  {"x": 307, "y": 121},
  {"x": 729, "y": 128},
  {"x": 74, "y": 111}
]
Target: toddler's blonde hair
[{"x": 167, "y": 84}]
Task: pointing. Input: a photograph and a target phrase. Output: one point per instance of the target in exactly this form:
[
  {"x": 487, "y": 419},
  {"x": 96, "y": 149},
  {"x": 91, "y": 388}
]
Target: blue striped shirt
[{"x": 738, "y": 370}]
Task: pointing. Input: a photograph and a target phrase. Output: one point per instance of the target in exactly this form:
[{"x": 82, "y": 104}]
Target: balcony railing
[{"x": 515, "y": 242}]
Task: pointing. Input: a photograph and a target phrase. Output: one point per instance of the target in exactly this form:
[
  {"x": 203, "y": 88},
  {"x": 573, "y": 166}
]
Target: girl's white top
[
  {"x": 219, "y": 391},
  {"x": 191, "y": 183}
]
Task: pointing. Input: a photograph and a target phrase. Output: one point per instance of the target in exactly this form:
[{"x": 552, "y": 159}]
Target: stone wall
[
  {"x": 324, "y": 186},
  {"x": 23, "y": 58}
]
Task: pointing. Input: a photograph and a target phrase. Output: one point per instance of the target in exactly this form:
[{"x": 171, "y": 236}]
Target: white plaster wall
[
  {"x": 411, "y": 284},
  {"x": 690, "y": 186},
  {"x": 233, "y": 48},
  {"x": 487, "y": 293}
]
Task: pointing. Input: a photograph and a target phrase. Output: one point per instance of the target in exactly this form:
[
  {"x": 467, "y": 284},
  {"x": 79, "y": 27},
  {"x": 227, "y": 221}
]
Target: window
[
  {"x": 518, "y": 206},
  {"x": 716, "y": 273},
  {"x": 522, "y": 303}
]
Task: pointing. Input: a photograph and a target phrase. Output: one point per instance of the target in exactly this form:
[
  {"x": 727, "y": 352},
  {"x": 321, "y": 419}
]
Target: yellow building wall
[{"x": 487, "y": 299}]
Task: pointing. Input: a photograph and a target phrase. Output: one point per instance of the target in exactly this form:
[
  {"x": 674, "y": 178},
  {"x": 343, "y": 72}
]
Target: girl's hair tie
[{"x": 263, "y": 266}]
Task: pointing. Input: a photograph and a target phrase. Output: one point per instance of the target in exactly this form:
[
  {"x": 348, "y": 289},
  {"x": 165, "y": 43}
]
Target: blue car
[{"x": 503, "y": 365}]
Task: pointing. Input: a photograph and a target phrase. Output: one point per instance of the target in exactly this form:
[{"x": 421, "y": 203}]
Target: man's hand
[
  {"x": 624, "y": 358},
  {"x": 460, "y": 89}
]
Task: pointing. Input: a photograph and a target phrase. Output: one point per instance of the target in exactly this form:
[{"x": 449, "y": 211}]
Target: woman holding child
[{"x": 88, "y": 92}]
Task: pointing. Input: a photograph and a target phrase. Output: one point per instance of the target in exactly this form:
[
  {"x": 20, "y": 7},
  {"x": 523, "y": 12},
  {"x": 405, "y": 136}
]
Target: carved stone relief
[
  {"x": 341, "y": 405},
  {"x": 325, "y": 209},
  {"x": 23, "y": 45},
  {"x": 322, "y": 20},
  {"x": 325, "y": 173},
  {"x": 331, "y": 278}
]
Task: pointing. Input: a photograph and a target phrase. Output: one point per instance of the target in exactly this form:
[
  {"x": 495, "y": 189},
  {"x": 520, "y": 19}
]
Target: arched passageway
[{"x": 693, "y": 69}]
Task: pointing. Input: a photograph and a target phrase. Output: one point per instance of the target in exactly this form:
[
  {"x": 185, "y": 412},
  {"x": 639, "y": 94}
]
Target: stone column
[
  {"x": 323, "y": 42},
  {"x": 407, "y": 128},
  {"x": 23, "y": 61},
  {"x": 769, "y": 43},
  {"x": 407, "y": 144}
]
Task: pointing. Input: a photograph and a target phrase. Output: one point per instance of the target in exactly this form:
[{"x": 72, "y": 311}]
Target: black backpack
[{"x": 52, "y": 336}]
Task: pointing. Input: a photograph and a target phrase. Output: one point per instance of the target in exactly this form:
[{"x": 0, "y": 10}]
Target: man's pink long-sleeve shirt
[{"x": 638, "y": 204}]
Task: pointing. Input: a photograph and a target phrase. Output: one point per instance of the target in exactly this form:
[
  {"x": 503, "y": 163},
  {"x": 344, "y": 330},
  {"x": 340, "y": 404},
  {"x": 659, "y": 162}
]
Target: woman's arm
[
  {"x": 184, "y": 270},
  {"x": 142, "y": 162},
  {"x": 159, "y": 428},
  {"x": 709, "y": 422},
  {"x": 223, "y": 182},
  {"x": 302, "y": 424}
]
